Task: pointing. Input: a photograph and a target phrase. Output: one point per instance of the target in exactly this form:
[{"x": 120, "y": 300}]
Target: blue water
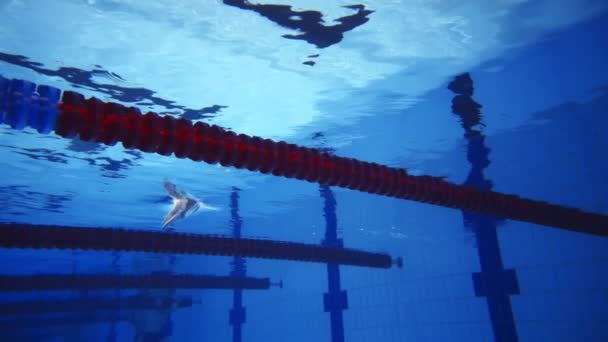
[{"x": 377, "y": 91}]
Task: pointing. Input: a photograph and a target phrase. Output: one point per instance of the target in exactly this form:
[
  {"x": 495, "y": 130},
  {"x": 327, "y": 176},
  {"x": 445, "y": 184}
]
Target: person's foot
[{"x": 183, "y": 205}]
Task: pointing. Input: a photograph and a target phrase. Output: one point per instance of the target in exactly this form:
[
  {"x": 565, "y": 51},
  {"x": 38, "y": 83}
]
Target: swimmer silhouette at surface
[{"x": 183, "y": 206}]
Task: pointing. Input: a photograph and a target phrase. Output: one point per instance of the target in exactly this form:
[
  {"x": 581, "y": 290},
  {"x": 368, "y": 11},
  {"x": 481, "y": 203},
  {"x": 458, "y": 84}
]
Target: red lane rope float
[
  {"x": 83, "y": 305},
  {"x": 88, "y": 304},
  {"x": 110, "y": 123},
  {"x": 18, "y": 235},
  {"x": 60, "y": 282}
]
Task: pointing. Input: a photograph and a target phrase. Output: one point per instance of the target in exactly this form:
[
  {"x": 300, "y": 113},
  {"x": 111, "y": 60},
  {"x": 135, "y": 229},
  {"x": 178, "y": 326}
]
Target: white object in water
[{"x": 184, "y": 205}]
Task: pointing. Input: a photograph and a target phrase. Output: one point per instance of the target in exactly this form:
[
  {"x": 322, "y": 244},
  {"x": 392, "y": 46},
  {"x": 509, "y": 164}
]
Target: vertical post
[
  {"x": 238, "y": 312},
  {"x": 335, "y": 299},
  {"x": 493, "y": 282}
]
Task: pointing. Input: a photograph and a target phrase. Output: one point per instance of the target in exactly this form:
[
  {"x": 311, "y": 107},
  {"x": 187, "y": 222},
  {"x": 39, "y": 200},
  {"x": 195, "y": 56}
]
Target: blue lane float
[{"x": 23, "y": 104}]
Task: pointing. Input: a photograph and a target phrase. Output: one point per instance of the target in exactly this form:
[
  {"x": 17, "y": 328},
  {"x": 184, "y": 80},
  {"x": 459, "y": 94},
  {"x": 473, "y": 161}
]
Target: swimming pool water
[{"x": 364, "y": 80}]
